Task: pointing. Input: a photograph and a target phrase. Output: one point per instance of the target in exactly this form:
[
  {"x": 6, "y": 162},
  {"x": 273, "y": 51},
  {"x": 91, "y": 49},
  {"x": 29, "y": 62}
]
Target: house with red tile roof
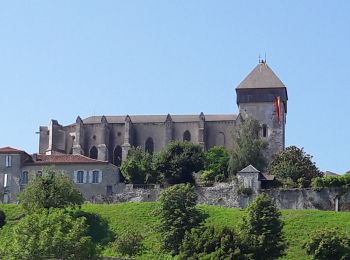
[{"x": 92, "y": 177}]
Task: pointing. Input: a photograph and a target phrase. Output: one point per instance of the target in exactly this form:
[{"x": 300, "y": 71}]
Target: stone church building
[{"x": 261, "y": 95}]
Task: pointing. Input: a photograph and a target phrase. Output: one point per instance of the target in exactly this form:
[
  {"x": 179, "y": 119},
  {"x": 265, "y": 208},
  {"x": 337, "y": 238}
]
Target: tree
[
  {"x": 51, "y": 190},
  {"x": 248, "y": 148},
  {"x": 262, "y": 229},
  {"x": 328, "y": 244},
  {"x": 178, "y": 214},
  {"x": 295, "y": 166},
  {"x": 215, "y": 164},
  {"x": 137, "y": 168},
  {"x": 2, "y": 219},
  {"x": 211, "y": 243},
  {"x": 177, "y": 161},
  {"x": 49, "y": 234}
]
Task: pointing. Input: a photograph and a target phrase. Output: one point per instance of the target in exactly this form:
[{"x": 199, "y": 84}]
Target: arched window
[
  {"x": 149, "y": 146},
  {"x": 93, "y": 153},
  {"x": 24, "y": 178},
  {"x": 117, "y": 155},
  {"x": 220, "y": 139},
  {"x": 187, "y": 136},
  {"x": 264, "y": 131}
]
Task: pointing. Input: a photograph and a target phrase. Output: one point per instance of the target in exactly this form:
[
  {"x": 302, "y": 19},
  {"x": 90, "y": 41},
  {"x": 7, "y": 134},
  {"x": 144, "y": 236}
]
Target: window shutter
[
  {"x": 85, "y": 177},
  {"x": 5, "y": 180},
  {"x": 100, "y": 177},
  {"x": 75, "y": 177},
  {"x": 90, "y": 176}
]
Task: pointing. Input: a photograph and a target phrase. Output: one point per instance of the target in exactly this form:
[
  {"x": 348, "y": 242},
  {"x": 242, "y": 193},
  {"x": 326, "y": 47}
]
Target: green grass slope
[{"x": 142, "y": 218}]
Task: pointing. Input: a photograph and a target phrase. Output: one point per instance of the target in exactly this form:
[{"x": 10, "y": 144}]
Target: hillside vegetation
[{"x": 141, "y": 217}]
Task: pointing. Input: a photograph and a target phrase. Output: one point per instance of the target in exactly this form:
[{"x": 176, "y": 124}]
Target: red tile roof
[
  {"x": 10, "y": 150},
  {"x": 64, "y": 159}
]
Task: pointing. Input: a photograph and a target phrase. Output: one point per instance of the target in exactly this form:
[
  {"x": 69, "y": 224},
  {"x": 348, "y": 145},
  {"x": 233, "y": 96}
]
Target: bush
[
  {"x": 262, "y": 229},
  {"x": 331, "y": 182},
  {"x": 2, "y": 219},
  {"x": 129, "y": 243},
  {"x": 51, "y": 190},
  {"x": 178, "y": 214},
  {"x": 208, "y": 177},
  {"x": 49, "y": 234},
  {"x": 210, "y": 243},
  {"x": 328, "y": 244}
]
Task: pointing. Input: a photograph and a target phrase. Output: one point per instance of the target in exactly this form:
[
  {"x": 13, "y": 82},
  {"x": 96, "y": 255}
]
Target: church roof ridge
[
  {"x": 262, "y": 76},
  {"x": 9, "y": 149},
  {"x": 160, "y": 118}
]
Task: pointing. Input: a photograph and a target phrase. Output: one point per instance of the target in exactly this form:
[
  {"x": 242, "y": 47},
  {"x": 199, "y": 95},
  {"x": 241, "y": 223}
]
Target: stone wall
[{"x": 227, "y": 195}]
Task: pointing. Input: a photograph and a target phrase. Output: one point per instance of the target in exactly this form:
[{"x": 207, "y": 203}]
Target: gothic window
[
  {"x": 117, "y": 155},
  {"x": 264, "y": 131},
  {"x": 93, "y": 153},
  {"x": 24, "y": 178},
  {"x": 220, "y": 139},
  {"x": 187, "y": 136},
  {"x": 80, "y": 177},
  {"x": 149, "y": 146},
  {"x": 95, "y": 176}
]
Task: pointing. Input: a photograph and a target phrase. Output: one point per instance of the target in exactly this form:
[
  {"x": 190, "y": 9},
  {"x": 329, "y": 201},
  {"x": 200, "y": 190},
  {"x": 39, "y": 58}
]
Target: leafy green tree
[
  {"x": 137, "y": 168},
  {"x": 210, "y": 243},
  {"x": 177, "y": 161},
  {"x": 2, "y": 219},
  {"x": 51, "y": 190},
  {"x": 293, "y": 165},
  {"x": 178, "y": 214},
  {"x": 215, "y": 164},
  {"x": 328, "y": 244},
  {"x": 248, "y": 148},
  {"x": 129, "y": 243},
  {"x": 49, "y": 234},
  {"x": 262, "y": 229}
]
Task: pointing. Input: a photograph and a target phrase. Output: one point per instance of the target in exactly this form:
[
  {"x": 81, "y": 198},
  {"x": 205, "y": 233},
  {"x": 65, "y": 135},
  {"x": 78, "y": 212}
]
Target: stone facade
[
  {"x": 91, "y": 177},
  {"x": 109, "y": 138}
]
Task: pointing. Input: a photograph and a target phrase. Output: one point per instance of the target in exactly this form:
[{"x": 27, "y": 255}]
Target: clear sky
[{"x": 60, "y": 59}]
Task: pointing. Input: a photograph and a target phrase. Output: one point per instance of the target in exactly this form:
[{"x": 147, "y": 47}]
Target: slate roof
[
  {"x": 329, "y": 173},
  {"x": 64, "y": 159},
  {"x": 159, "y": 118},
  {"x": 261, "y": 76},
  {"x": 10, "y": 150},
  {"x": 249, "y": 169}
]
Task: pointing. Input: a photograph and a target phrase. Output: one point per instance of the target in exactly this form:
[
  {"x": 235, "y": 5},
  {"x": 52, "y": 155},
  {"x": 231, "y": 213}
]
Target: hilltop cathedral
[{"x": 261, "y": 95}]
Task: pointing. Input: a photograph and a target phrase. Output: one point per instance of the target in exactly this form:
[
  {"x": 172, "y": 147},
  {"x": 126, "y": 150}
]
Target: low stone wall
[{"x": 227, "y": 195}]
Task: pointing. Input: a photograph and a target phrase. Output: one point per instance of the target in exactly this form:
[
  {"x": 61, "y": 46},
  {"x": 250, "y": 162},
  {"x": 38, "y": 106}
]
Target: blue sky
[{"x": 60, "y": 59}]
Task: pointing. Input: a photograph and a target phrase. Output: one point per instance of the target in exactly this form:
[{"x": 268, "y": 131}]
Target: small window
[
  {"x": 80, "y": 177},
  {"x": 8, "y": 160},
  {"x": 39, "y": 174},
  {"x": 264, "y": 130},
  {"x": 149, "y": 145},
  {"x": 95, "y": 176},
  {"x": 24, "y": 178}
]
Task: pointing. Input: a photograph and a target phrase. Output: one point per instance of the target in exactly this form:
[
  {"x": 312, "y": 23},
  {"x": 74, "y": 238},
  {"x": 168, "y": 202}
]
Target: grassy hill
[{"x": 141, "y": 217}]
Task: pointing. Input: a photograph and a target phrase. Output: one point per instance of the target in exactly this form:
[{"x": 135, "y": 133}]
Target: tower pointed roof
[{"x": 261, "y": 76}]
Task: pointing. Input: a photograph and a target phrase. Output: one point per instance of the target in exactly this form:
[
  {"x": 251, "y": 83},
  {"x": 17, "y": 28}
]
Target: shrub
[
  {"x": 51, "y": 190},
  {"x": 49, "y": 234},
  {"x": 331, "y": 182},
  {"x": 129, "y": 243},
  {"x": 328, "y": 244},
  {"x": 210, "y": 243}
]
